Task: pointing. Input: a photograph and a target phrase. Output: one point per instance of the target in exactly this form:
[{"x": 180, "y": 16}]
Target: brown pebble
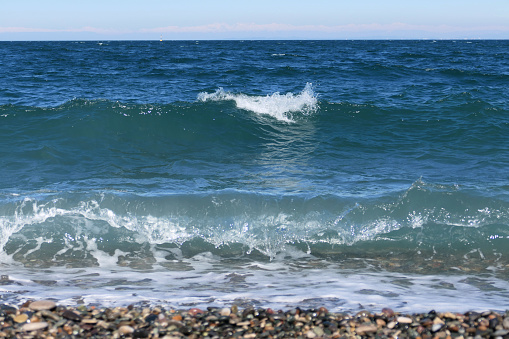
[
  {"x": 42, "y": 305},
  {"x": 21, "y": 318},
  {"x": 68, "y": 314},
  {"x": 453, "y": 328},
  {"x": 194, "y": 311},
  {"x": 388, "y": 312},
  {"x": 449, "y": 315},
  {"x": 381, "y": 322},
  {"x": 363, "y": 329},
  {"x": 363, "y": 314},
  {"x": 471, "y": 330},
  {"x": 89, "y": 321},
  {"x": 437, "y": 320}
]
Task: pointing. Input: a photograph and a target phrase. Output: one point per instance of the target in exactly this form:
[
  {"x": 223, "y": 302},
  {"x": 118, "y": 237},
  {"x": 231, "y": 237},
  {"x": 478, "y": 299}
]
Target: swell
[{"x": 238, "y": 140}]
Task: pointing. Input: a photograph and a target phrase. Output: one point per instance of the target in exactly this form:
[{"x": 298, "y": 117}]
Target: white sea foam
[
  {"x": 279, "y": 106},
  {"x": 206, "y": 280}
]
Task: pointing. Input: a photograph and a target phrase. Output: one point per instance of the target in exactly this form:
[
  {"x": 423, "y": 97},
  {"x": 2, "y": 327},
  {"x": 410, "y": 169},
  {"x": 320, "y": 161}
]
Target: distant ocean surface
[{"x": 346, "y": 174}]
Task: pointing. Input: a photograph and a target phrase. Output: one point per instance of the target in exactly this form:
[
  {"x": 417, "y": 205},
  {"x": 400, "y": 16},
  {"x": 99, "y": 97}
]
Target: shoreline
[{"x": 46, "y": 319}]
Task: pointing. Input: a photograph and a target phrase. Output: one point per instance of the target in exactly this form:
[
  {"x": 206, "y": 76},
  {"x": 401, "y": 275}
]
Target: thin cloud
[
  {"x": 66, "y": 30},
  {"x": 274, "y": 27},
  {"x": 271, "y": 28}
]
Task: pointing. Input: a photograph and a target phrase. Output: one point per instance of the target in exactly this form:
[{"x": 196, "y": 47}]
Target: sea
[{"x": 353, "y": 175}]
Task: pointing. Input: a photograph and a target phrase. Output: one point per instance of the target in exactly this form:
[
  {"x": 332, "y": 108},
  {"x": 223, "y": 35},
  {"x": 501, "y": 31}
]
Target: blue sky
[{"x": 253, "y": 19}]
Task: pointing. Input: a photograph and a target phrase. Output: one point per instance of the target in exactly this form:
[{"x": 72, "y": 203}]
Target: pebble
[
  {"x": 125, "y": 329},
  {"x": 34, "y": 326},
  {"x": 437, "y": 320},
  {"x": 436, "y": 327},
  {"x": 21, "y": 318},
  {"x": 318, "y": 331},
  {"x": 225, "y": 312},
  {"x": 42, "y": 305},
  {"x": 195, "y": 311},
  {"x": 391, "y": 325},
  {"x": 505, "y": 323},
  {"x": 311, "y": 334},
  {"x": 404, "y": 320},
  {"x": 364, "y": 329},
  {"x": 133, "y": 322},
  {"x": 388, "y": 312},
  {"x": 449, "y": 315},
  {"x": 68, "y": 314}
]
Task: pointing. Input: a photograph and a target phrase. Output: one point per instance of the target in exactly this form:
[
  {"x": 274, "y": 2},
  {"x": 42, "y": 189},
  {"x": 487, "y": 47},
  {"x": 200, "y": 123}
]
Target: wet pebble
[
  {"x": 21, "y": 318},
  {"x": 366, "y": 329},
  {"x": 436, "y": 327},
  {"x": 68, "y": 314},
  {"x": 42, "y": 305},
  {"x": 158, "y": 322},
  {"x": 505, "y": 323},
  {"x": 34, "y": 326},
  {"x": 125, "y": 330},
  {"x": 225, "y": 311},
  {"x": 404, "y": 320}
]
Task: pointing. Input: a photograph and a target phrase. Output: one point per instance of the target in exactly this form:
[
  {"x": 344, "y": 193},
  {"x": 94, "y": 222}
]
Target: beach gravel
[{"x": 47, "y": 320}]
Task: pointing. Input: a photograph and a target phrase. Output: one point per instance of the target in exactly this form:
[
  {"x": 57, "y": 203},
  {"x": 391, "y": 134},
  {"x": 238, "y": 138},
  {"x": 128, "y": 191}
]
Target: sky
[{"x": 252, "y": 19}]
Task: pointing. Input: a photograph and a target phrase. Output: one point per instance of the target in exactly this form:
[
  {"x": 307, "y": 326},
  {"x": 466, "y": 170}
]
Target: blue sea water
[{"x": 346, "y": 174}]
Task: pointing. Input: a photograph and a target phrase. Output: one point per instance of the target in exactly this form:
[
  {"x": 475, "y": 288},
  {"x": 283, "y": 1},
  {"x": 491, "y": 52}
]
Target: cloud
[
  {"x": 331, "y": 31},
  {"x": 275, "y": 27},
  {"x": 52, "y": 30}
]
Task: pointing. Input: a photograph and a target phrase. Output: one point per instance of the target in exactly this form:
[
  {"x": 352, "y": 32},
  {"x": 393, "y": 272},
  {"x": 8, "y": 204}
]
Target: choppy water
[{"x": 345, "y": 174}]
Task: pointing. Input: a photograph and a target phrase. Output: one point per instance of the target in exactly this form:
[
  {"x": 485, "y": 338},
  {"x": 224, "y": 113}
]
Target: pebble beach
[{"x": 46, "y": 319}]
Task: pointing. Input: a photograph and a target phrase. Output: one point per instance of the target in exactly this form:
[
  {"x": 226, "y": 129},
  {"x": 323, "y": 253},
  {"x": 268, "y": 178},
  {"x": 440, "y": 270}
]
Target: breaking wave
[{"x": 280, "y": 106}]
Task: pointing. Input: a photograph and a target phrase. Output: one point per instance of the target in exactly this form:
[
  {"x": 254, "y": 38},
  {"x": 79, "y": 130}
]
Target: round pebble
[
  {"x": 21, "y": 318},
  {"x": 42, "y": 305},
  {"x": 225, "y": 311}
]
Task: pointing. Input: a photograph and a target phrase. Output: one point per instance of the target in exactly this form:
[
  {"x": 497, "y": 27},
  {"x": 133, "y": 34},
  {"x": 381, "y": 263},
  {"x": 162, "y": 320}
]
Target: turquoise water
[{"x": 355, "y": 174}]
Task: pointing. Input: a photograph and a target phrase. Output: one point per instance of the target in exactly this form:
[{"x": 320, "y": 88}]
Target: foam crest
[
  {"x": 107, "y": 226},
  {"x": 280, "y": 106}
]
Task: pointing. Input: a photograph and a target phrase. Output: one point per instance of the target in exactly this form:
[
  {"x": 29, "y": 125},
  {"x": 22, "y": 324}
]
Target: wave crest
[{"x": 280, "y": 106}]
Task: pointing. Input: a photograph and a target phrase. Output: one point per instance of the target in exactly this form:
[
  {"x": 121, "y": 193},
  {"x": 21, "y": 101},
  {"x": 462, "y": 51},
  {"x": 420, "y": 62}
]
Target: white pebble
[
  {"x": 226, "y": 311},
  {"x": 34, "y": 326}
]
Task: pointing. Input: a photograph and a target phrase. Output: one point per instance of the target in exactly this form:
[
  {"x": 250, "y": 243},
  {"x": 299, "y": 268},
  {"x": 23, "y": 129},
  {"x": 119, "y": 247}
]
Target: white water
[
  {"x": 276, "y": 105},
  {"x": 205, "y": 280}
]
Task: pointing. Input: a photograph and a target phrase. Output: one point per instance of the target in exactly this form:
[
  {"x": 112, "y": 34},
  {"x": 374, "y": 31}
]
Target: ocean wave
[
  {"x": 432, "y": 219},
  {"x": 279, "y": 106}
]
